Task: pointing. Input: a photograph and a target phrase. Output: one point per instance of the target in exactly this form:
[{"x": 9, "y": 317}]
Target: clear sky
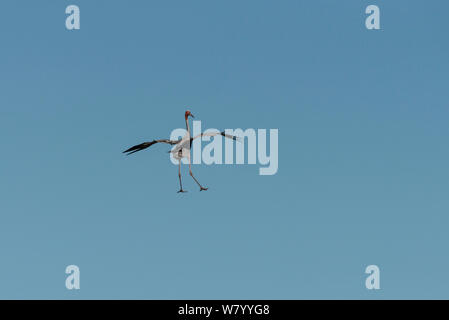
[{"x": 363, "y": 149}]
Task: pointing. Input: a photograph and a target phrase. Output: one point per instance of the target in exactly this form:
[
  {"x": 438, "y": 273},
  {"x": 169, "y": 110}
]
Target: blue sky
[{"x": 363, "y": 176}]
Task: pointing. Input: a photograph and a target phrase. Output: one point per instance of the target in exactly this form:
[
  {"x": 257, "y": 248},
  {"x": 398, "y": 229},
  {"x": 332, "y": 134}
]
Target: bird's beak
[{"x": 192, "y": 115}]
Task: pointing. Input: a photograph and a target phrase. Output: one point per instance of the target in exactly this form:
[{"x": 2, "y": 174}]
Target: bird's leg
[
  {"x": 190, "y": 170},
  {"x": 179, "y": 175}
]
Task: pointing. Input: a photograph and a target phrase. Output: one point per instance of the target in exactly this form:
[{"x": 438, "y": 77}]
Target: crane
[{"x": 181, "y": 148}]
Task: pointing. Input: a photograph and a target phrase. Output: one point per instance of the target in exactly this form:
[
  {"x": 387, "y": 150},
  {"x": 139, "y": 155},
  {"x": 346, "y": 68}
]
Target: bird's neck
[{"x": 187, "y": 126}]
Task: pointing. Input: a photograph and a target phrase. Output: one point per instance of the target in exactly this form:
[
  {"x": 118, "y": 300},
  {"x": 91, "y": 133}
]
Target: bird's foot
[
  {"x": 182, "y": 191},
  {"x": 201, "y": 189}
]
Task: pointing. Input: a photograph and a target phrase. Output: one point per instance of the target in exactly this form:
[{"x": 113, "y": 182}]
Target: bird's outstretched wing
[
  {"x": 148, "y": 144},
  {"x": 213, "y": 134}
]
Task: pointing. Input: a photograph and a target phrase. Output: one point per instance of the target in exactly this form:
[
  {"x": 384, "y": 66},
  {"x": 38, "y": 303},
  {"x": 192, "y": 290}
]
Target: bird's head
[{"x": 188, "y": 113}]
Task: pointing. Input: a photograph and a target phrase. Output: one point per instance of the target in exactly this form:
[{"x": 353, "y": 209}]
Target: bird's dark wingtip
[
  {"x": 128, "y": 153},
  {"x": 139, "y": 147}
]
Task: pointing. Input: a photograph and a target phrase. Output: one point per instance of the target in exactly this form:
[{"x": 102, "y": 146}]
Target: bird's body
[
  {"x": 181, "y": 153},
  {"x": 181, "y": 149}
]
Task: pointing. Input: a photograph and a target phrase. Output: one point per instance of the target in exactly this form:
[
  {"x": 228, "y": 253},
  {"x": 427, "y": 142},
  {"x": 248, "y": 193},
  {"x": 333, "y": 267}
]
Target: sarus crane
[{"x": 181, "y": 148}]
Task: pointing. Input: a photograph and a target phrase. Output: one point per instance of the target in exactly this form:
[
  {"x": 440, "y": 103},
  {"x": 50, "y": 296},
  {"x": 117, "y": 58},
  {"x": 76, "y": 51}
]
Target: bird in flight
[{"x": 181, "y": 148}]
